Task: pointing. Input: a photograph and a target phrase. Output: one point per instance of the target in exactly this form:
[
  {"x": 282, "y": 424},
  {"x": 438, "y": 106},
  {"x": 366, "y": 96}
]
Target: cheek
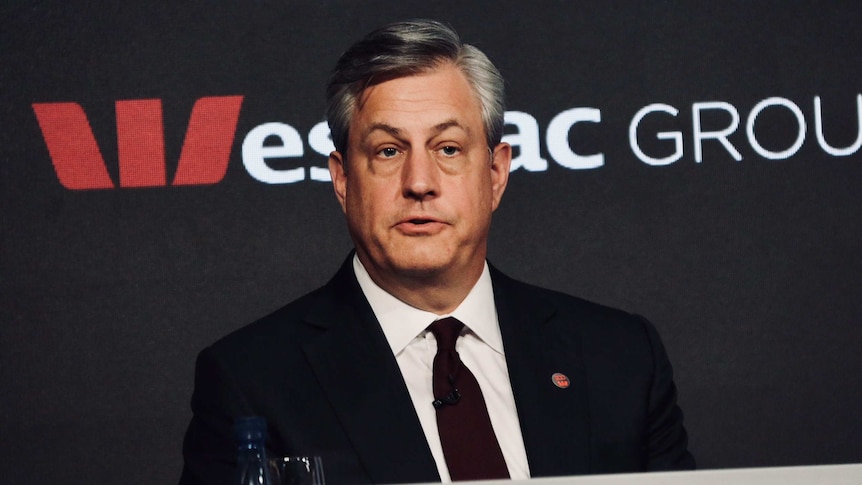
[
  {"x": 481, "y": 207},
  {"x": 480, "y": 197},
  {"x": 364, "y": 204}
]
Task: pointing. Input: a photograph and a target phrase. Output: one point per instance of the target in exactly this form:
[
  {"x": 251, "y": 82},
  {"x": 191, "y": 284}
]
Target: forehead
[{"x": 419, "y": 103}]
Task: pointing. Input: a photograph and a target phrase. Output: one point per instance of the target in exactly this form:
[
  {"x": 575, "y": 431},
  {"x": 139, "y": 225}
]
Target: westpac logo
[
  {"x": 79, "y": 164},
  {"x": 209, "y": 137}
]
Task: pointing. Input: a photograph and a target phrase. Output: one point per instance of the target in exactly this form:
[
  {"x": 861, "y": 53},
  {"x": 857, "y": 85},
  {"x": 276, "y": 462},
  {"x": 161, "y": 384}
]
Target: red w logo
[{"x": 140, "y": 142}]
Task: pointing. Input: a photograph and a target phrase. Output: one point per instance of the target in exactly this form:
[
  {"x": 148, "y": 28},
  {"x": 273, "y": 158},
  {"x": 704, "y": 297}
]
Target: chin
[
  {"x": 421, "y": 263},
  {"x": 421, "y": 267}
]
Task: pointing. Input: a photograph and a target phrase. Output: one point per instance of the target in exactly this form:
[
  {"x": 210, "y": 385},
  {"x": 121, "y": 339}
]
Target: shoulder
[
  {"x": 510, "y": 289},
  {"x": 594, "y": 324},
  {"x": 266, "y": 344},
  {"x": 300, "y": 320}
]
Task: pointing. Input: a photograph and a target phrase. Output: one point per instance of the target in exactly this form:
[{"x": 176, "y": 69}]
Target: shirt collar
[{"x": 401, "y": 323}]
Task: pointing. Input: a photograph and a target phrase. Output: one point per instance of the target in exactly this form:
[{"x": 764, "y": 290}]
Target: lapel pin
[{"x": 560, "y": 380}]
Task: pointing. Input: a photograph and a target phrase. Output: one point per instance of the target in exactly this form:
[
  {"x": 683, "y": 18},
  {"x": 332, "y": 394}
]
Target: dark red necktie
[{"x": 469, "y": 444}]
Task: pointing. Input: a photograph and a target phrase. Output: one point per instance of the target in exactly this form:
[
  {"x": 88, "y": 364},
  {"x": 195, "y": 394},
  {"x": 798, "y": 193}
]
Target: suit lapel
[
  {"x": 355, "y": 367},
  {"x": 554, "y": 421}
]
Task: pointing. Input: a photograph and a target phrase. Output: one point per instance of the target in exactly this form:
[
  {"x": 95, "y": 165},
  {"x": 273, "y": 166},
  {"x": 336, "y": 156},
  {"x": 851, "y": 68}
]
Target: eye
[
  {"x": 388, "y": 152},
  {"x": 450, "y": 151}
]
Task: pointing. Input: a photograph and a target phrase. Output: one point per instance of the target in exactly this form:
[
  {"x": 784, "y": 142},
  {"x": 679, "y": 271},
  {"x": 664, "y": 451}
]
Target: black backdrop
[{"x": 750, "y": 268}]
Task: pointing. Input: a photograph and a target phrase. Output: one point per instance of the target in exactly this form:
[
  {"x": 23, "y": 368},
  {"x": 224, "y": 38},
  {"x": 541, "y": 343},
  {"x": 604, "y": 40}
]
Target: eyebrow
[
  {"x": 396, "y": 132},
  {"x": 440, "y": 127},
  {"x": 381, "y": 127}
]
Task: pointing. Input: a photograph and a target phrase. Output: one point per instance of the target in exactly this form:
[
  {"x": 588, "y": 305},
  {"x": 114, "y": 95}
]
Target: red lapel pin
[{"x": 560, "y": 380}]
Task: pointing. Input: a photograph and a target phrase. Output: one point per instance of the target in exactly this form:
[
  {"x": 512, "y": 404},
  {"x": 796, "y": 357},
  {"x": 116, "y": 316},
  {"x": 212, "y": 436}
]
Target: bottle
[{"x": 250, "y": 435}]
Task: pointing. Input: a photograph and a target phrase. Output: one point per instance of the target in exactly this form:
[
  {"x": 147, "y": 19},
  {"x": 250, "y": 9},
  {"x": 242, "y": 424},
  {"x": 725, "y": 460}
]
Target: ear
[
  {"x": 501, "y": 162},
  {"x": 339, "y": 177}
]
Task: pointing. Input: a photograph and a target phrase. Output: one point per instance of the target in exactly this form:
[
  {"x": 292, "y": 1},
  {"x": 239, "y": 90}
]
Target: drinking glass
[{"x": 296, "y": 470}]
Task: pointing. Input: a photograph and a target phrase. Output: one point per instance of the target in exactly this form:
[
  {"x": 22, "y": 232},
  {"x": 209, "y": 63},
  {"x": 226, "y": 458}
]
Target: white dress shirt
[{"x": 481, "y": 349}]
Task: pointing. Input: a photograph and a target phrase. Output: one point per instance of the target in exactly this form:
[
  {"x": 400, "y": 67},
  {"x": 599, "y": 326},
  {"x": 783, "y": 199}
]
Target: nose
[{"x": 420, "y": 176}]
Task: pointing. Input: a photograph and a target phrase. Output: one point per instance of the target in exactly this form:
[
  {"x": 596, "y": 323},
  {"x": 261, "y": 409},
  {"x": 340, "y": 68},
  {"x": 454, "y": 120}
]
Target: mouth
[
  {"x": 418, "y": 219},
  {"x": 420, "y": 225}
]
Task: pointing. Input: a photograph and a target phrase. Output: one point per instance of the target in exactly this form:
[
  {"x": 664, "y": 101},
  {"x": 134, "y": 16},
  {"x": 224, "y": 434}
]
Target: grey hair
[{"x": 405, "y": 49}]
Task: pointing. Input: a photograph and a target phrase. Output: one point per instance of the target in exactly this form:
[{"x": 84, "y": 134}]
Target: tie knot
[{"x": 446, "y": 331}]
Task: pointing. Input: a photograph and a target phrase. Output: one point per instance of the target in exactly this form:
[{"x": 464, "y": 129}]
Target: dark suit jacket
[{"x": 321, "y": 372}]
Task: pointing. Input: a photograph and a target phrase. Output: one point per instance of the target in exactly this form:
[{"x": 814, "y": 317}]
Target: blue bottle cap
[{"x": 249, "y": 428}]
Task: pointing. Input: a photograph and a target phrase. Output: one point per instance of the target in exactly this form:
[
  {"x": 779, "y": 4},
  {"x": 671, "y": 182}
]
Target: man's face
[{"x": 420, "y": 183}]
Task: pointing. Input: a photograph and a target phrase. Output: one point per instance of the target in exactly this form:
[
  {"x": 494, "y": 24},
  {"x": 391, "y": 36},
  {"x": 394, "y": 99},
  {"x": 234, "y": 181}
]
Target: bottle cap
[{"x": 249, "y": 428}]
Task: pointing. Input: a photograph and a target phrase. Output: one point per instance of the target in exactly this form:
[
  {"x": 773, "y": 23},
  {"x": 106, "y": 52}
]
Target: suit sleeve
[
  {"x": 667, "y": 441},
  {"x": 209, "y": 452}
]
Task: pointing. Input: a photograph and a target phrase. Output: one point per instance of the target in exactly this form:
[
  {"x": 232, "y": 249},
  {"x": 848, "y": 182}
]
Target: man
[{"x": 351, "y": 372}]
